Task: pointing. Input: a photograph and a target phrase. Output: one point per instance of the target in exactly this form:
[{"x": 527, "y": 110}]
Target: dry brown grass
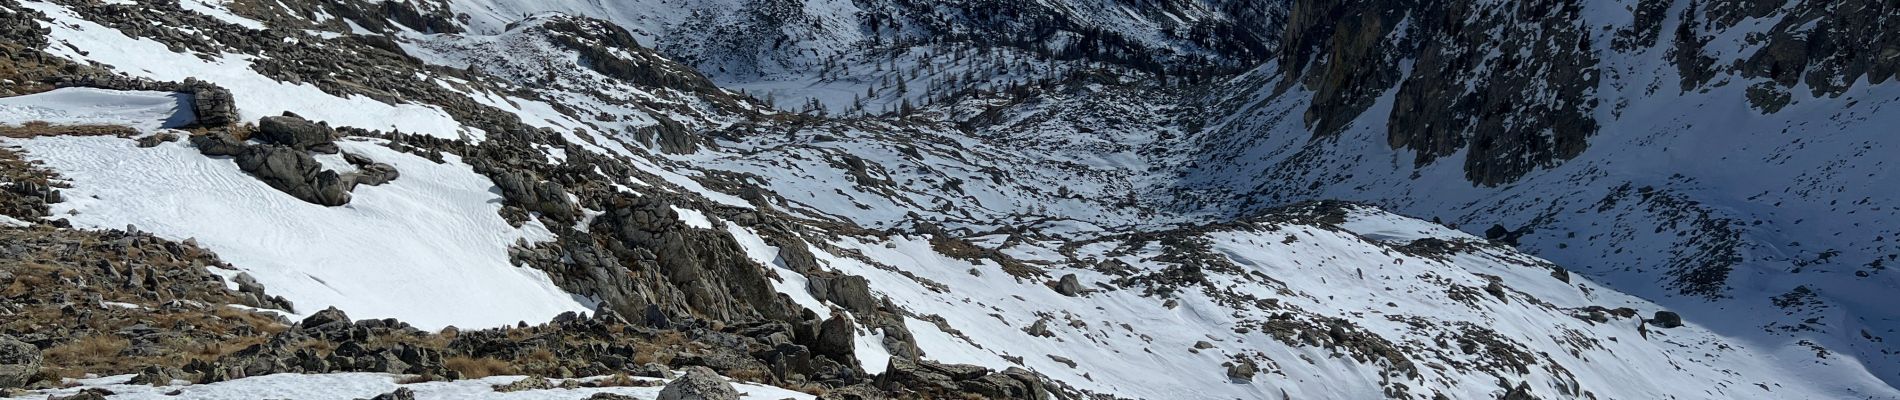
[
  {"x": 33, "y": 129},
  {"x": 89, "y": 353},
  {"x": 659, "y": 349},
  {"x": 257, "y": 321},
  {"x": 476, "y": 368}
]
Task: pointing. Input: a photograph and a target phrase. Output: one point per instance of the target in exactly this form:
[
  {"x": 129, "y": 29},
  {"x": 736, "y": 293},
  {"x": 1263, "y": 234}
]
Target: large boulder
[
  {"x": 1667, "y": 319},
  {"x": 297, "y": 133},
  {"x": 1068, "y": 285},
  {"x": 213, "y": 105},
  {"x": 19, "y": 362},
  {"x": 375, "y": 174},
  {"x": 218, "y": 143},
  {"x": 699, "y": 383},
  {"x": 836, "y": 338},
  {"x": 295, "y": 172},
  {"x": 326, "y": 317},
  {"x": 851, "y": 291}
]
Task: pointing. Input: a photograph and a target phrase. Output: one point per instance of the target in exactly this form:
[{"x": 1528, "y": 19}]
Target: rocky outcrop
[
  {"x": 297, "y": 133},
  {"x": 19, "y": 362},
  {"x": 285, "y": 162},
  {"x": 699, "y": 383},
  {"x": 214, "y": 105},
  {"x": 218, "y": 144},
  {"x": 295, "y": 172},
  {"x": 929, "y": 379}
]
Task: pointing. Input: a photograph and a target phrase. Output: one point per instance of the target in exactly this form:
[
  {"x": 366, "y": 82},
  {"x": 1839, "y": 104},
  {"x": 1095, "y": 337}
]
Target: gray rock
[
  {"x": 19, "y": 362},
  {"x": 610, "y": 396},
  {"x": 218, "y": 144},
  {"x": 296, "y": 132},
  {"x": 1068, "y": 285},
  {"x": 398, "y": 394},
  {"x": 375, "y": 174},
  {"x": 525, "y": 384},
  {"x": 157, "y": 376},
  {"x": 295, "y": 172},
  {"x": 213, "y": 105},
  {"x": 1040, "y": 328},
  {"x": 85, "y": 394},
  {"x": 835, "y": 338},
  {"x": 1242, "y": 370},
  {"x": 325, "y": 317},
  {"x": 851, "y": 291},
  {"x": 1667, "y": 319},
  {"x": 699, "y": 383},
  {"x": 652, "y": 370},
  {"x": 157, "y": 138}
]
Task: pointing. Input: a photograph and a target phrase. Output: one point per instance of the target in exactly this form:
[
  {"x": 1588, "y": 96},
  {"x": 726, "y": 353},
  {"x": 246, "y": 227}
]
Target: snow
[
  {"x": 348, "y": 386},
  {"x": 219, "y": 9},
  {"x": 869, "y": 348},
  {"x": 1378, "y": 225},
  {"x": 693, "y": 218},
  {"x": 789, "y": 282},
  {"x": 257, "y": 96},
  {"x": 429, "y": 248},
  {"x": 1130, "y": 345},
  {"x": 143, "y": 110}
]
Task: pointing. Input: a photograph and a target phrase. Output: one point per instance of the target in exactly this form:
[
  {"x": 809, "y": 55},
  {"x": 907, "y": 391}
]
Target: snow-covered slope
[
  {"x": 1084, "y": 197},
  {"x": 1766, "y": 217}
]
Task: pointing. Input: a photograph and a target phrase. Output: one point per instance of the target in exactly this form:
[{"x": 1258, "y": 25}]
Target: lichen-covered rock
[
  {"x": 398, "y": 394},
  {"x": 699, "y": 383},
  {"x": 525, "y": 384},
  {"x": 19, "y": 362}
]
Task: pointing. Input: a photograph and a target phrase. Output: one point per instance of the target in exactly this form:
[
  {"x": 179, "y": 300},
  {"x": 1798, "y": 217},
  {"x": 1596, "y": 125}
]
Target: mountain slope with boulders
[{"x": 723, "y": 199}]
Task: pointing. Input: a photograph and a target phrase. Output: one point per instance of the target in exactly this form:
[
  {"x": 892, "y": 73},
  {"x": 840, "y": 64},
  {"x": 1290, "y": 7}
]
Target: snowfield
[
  {"x": 258, "y": 95},
  {"x": 1136, "y": 346},
  {"x": 428, "y": 248},
  {"x": 81, "y": 106}
]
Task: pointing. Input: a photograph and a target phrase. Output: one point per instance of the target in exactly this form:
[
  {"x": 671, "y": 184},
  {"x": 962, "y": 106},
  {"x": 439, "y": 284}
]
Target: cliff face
[{"x": 1516, "y": 84}]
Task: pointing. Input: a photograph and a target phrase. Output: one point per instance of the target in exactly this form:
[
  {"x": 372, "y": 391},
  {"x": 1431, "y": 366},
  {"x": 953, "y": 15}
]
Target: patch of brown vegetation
[
  {"x": 90, "y": 353},
  {"x": 964, "y": 250},
  {"x": 33, "y": 129},
  {"x": 478, "y": 367}
]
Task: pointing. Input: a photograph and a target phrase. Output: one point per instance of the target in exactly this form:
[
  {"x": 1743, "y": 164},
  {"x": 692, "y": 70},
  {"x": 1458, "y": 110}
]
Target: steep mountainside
[{"x": 931, "y": 199}]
